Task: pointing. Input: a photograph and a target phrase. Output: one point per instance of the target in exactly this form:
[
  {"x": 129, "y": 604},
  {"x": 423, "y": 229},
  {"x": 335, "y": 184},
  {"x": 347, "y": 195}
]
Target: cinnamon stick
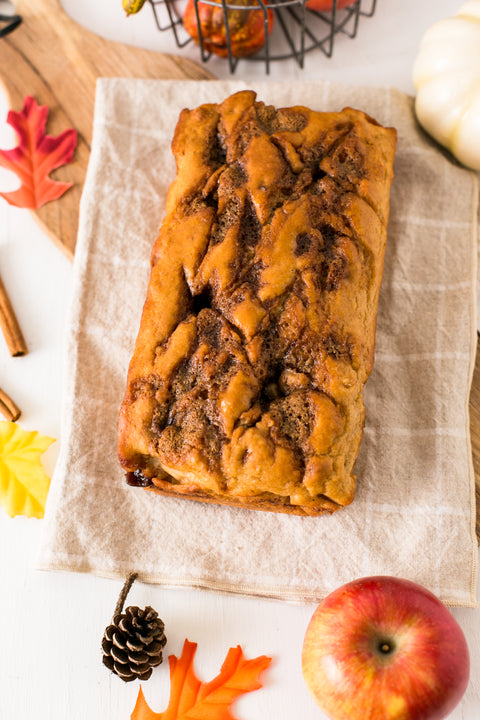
[
  {"x": 9, "y": 324},
  {"x": 8, "y": 408}
]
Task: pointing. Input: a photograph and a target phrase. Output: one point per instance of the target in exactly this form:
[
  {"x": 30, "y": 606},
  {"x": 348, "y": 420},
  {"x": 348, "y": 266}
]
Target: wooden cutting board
[
  {"x": 475, "y": 433},
  {"x": 52, "y": 58},
  {"x": 55, "y": 60}
]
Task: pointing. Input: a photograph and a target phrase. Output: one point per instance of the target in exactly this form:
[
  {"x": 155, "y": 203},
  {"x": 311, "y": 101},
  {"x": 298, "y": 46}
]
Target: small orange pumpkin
[{"x": 246, "y": 27}]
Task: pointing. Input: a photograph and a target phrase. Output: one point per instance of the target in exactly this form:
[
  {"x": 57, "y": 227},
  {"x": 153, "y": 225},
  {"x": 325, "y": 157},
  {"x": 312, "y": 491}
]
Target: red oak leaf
[
  {"x": 36, "y": 155},
  {"x": 192, "y": 699}
]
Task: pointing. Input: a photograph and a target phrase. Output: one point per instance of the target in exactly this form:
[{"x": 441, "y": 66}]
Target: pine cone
[{"x": 132, "y": 645}]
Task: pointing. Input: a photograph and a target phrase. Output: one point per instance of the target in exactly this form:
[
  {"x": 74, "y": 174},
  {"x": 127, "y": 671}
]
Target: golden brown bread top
[{"x": 258, "y": 330}]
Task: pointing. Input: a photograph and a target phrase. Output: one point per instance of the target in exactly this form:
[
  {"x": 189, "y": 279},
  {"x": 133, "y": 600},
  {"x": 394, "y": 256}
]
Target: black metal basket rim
[{"x": 267, "y": 5}]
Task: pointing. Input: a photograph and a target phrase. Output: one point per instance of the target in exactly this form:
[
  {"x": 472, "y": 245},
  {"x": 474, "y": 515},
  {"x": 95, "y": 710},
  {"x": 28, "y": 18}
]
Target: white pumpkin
[{"x": 446, "y": 75}]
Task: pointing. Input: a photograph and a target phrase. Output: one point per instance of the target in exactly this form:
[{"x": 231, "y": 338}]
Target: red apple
[
  {"x": 383, "y": 648},
  {"x": 325, "y": 5}
]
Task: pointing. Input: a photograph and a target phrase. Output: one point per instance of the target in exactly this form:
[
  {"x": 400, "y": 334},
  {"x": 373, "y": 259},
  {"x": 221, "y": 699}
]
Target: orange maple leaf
[
  {"x": 36, "y": 155},
  {"x": 191, "y": 699}
]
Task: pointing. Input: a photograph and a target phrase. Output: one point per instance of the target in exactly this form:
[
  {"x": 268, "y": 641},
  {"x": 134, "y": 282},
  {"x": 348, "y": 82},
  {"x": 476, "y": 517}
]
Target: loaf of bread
[{"x": 257, "y": 334}]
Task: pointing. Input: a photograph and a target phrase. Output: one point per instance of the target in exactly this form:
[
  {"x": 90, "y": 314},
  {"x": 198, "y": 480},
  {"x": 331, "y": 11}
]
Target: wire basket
[{"x": 297, "y": 29}]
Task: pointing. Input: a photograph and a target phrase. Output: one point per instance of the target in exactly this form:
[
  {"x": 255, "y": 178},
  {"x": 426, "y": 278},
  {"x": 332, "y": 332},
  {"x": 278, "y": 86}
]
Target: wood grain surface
[
  {"x": 55, "y": 60},
  {"x": 52, "y": 58}
]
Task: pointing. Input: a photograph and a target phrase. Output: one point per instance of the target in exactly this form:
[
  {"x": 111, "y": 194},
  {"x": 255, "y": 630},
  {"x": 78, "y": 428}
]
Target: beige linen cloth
[{"x": 413, "y": 514}]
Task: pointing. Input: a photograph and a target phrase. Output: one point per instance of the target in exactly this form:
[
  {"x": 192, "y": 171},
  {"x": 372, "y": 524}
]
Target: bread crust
[{"x": 258, "y": 330}]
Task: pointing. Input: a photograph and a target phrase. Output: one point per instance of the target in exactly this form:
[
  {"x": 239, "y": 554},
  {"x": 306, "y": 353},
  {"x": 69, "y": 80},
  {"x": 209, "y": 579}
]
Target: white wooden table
[{"x": 52, "y": 624}]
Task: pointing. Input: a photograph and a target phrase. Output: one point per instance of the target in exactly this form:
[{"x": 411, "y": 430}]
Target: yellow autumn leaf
[{"x": 23, "y": 481}]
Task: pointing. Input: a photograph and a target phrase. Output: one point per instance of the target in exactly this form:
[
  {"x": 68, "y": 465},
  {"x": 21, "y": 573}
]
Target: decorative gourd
[
  {"x": 246, "y": 26},
  {"x": 446, "y": 75}
]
